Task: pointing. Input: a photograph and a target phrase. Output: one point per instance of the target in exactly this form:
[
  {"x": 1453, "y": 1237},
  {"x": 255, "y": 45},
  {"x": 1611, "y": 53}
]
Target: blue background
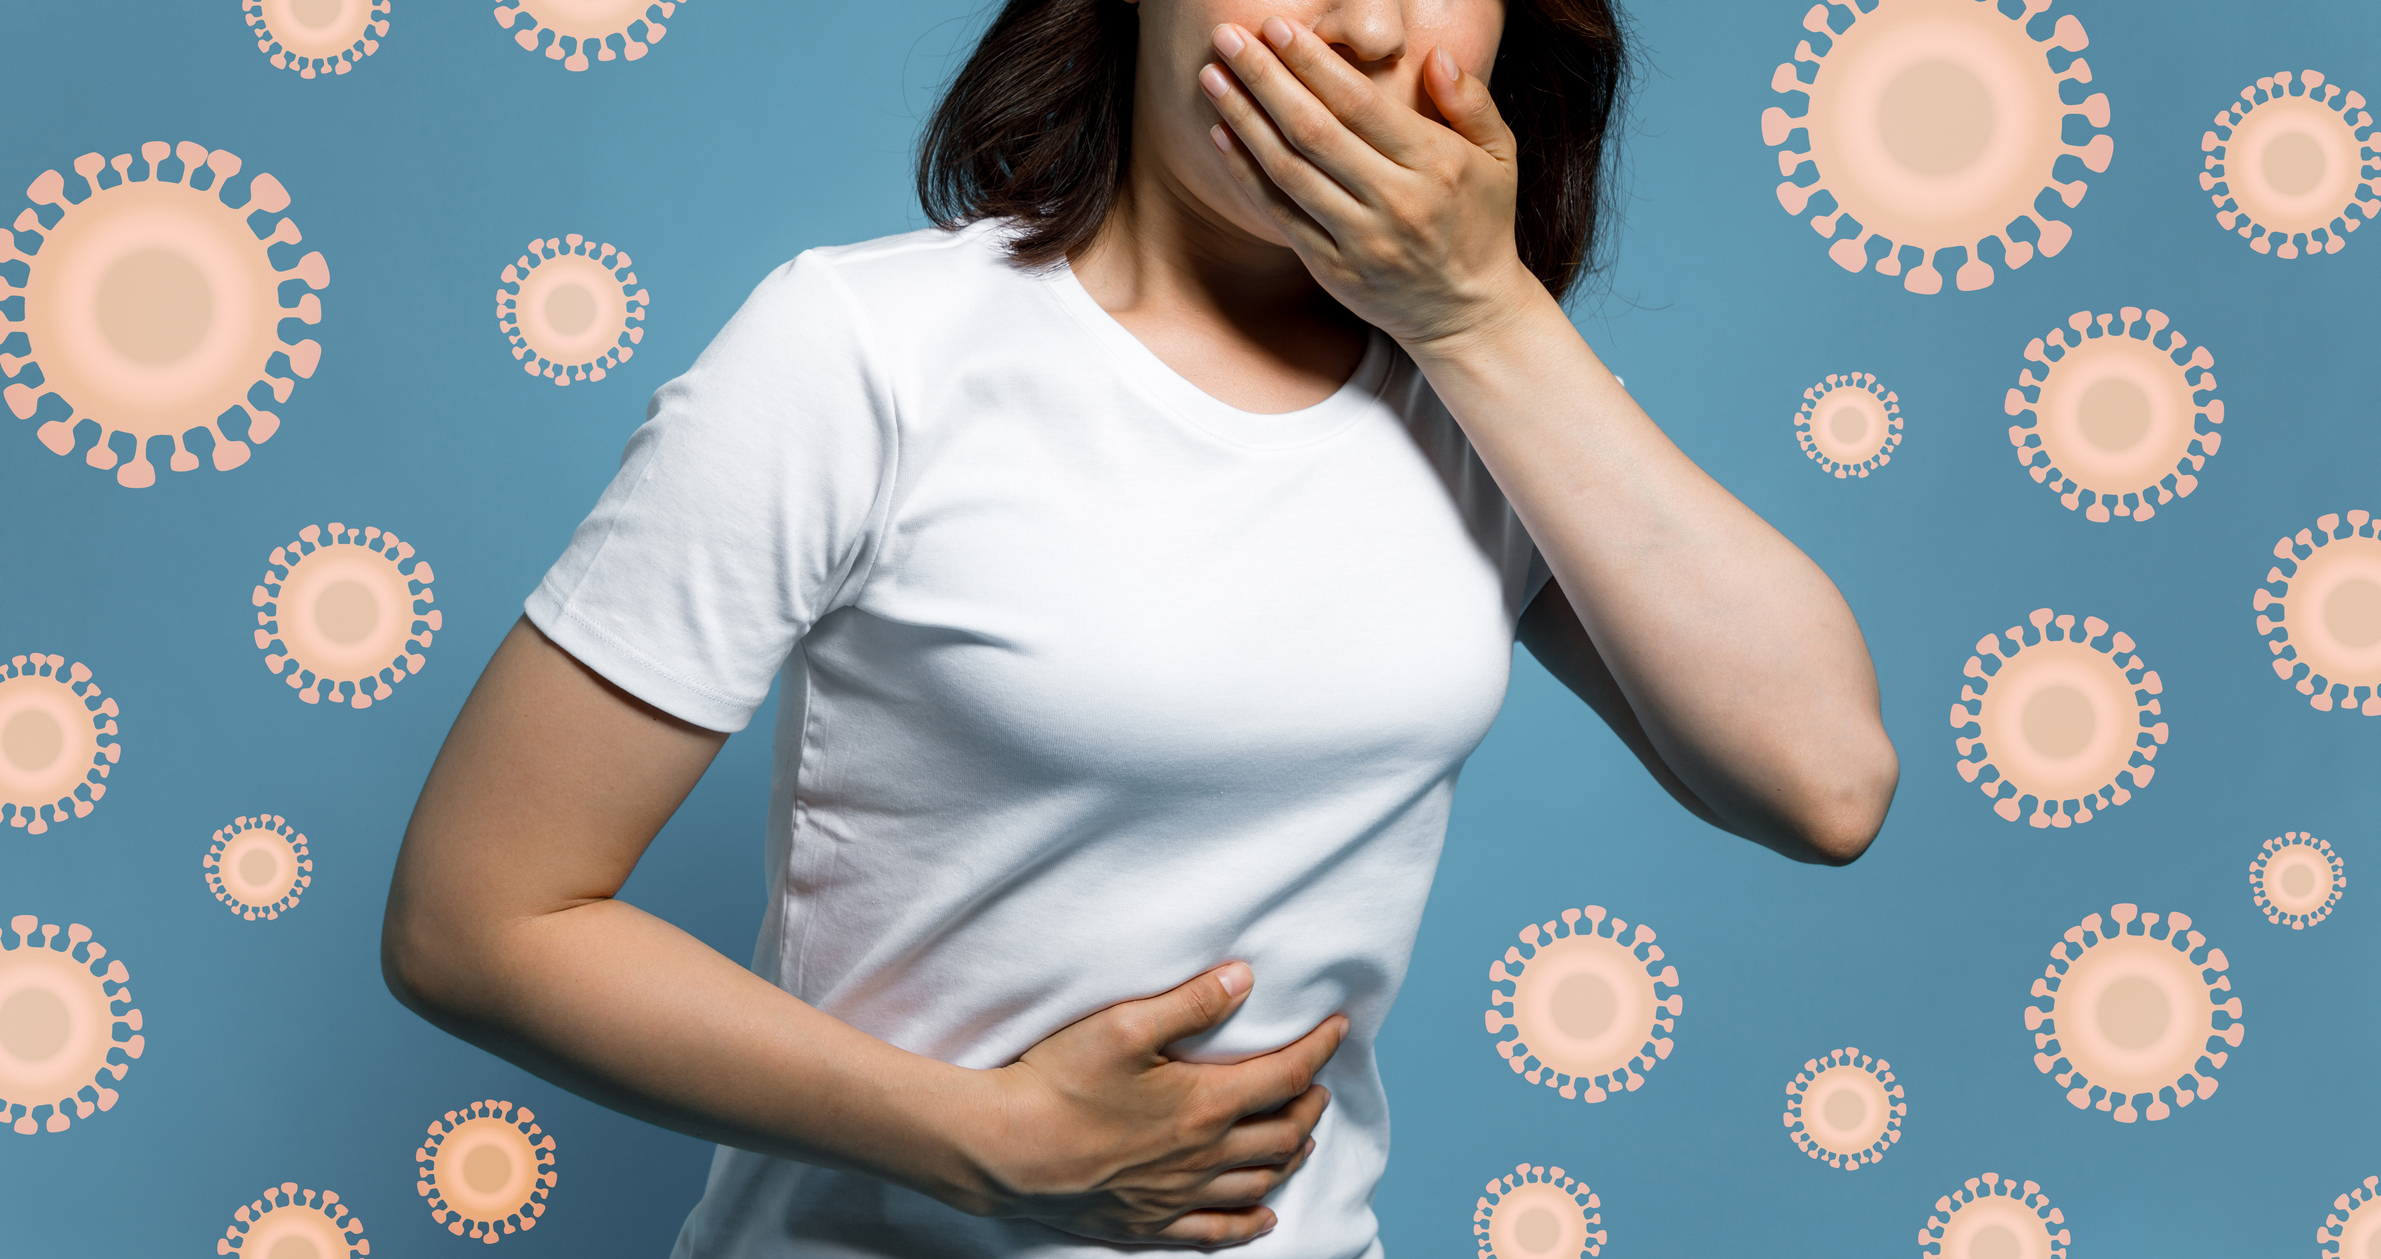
[{"x": 755, "y": 130}]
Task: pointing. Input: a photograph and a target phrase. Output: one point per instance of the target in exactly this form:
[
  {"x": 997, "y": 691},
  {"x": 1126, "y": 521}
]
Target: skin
[{"x": 1360, "y": 180}]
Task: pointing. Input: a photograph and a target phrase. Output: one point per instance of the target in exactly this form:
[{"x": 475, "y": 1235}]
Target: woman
[{"x": 1143, "y": 552}]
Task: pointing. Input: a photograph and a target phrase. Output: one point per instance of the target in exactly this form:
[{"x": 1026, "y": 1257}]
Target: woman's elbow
[
  {"x": 1848, "y": 808},
  {"x": 419, "y": 973}
]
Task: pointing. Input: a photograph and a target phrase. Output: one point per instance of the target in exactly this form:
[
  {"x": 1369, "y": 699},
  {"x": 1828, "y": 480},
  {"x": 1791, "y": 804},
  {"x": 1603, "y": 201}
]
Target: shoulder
[{"x": 928, "y": 265}]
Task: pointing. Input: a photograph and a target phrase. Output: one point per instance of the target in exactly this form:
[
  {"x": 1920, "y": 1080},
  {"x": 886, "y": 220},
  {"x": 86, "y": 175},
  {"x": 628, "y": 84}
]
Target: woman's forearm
[
  {"x": 1736, "y": 652},
  {"x": 629, "y": 1011}
]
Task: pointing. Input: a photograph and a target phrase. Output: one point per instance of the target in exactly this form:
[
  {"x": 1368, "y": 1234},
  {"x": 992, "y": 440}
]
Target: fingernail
[
  {"x": 1279, "y": 33},
  {"x": 1228, "y": 41},
  {"x": 1447, "y": 65},
  {"x": 1211, "y": 77},
  {"x": 1236, "y": 977},
  {"x": 1223, "y": 144}
]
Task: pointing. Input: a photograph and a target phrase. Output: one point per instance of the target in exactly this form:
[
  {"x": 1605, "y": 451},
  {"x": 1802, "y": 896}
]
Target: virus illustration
[
  {"x": 1537, "y": 1213},
  {"x": 568, "y": 30},
  {"x": 2296, "y": 878},
  {"x": 2331, "y": 649},
  {"x": 52, "y": 763},
  {"x": 58, "y": 1025},
  {"x": 2115, "y": 419},
  {"x": 2285, "y": 165},
  {"x": 1993, "y": 1217},
  {"x": 340, "y": 612},
  {"x": 1584, "y": 1004},
  {"x": 1934, "y": 125},
  {"x": 2352, "y": 1230},
  {"x": 486, "y": 1170},
  {"x": 571, "y": 309},
  {"x": 152, "y": 308},
  {"x": 317, "y": 37},
  {"x": 258, "y": 867},
  {"x": 2063, "y": 720},
  {"x": 1845, "y": 1109},
  {"x": 286, "y": 1222},
  {"x": 2132, "y": 1013},
  {"x": 1849, "y": 424}
]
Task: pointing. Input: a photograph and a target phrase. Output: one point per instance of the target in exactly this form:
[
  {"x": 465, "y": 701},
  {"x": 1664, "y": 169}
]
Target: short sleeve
[{"x": 746, "y": 507}]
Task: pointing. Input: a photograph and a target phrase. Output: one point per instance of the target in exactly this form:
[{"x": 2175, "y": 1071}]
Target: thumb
[
  {"x": 1463, "y": 100},
  {"x": 1193, "y": 1007}
]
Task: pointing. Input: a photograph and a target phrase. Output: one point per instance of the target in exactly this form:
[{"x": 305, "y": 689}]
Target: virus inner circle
[
  {"x": 2059, "y": 721},
  {"x": 2298, "y": 880},
  {"x": 1935, "y": 117},
  {"x": 1537, "y": 1230},
  {"x": 486, "y": 1168},
  {"x": 33, "y": 1024},
  {"x": 346, "y": 612},
  {"x": 294, "y": 1247},
  {"x": 2134, "y": 1013},
  {"x": 2293, "y": 162},
  {"x": 1844, "y": 1108},
  {"x": 154, "y": 306},
  {"x": 1585, "y": 1005},
  {"x": 570, "y": 309},
  {"x": 1993, "y": 1241},
  {"x": 2352, "y": 612},
  {"x": 1848, "y": 425},
  {"x": 32, "y": 740},
  {"x": 258, "y": 866},
  {"x": 2114, "y": 414},
  {"x": 315, "y": 15}
]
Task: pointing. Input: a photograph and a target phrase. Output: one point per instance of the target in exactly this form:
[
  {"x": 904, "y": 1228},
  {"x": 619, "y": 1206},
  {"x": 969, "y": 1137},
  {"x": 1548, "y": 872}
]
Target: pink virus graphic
[
  {"x": 2066, "y": 723},
  {"x": 2296, "y": 879},
  {"x": 1845, "y": 1109},
  {"x": 2285, "y": 165},
  {"x": 580, "y": 32},
  {"x": 486, "y": 1170},
  {"x": 258, "y": 867},
  {"x": 1849, "y": 424},
  {"x": 152, "y": 308},
  {"x": 1934, "y": 125},
  {"x": 2331, "y": 647},
  {"x": 317, "y": 37},
  {"x": 2132, "y": 1014},
  {"x": 53, "y": 761},
  {"x": 1590, "y": 1022},
  {"x": 62, "y": 1033},
  {"x": 1537, "y": 1213},
  {"x": 342, "y": 617},
  {"x": 1994, "y": 1217},
  {"x": 2352, "y": 1229},
  {"x": 571, "y": 309},
  {"x": 286, "y": 1222},
  {"x": 2115, "y": 420}
]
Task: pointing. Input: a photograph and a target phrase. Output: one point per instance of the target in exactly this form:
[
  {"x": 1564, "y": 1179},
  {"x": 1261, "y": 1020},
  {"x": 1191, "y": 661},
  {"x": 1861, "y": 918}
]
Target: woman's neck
[{"x": 1236, "y": 316}]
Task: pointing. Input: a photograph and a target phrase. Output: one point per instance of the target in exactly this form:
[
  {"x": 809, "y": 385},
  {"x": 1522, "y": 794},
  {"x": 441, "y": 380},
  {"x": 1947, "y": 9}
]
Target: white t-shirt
[{"x": 1091, "y": 682}]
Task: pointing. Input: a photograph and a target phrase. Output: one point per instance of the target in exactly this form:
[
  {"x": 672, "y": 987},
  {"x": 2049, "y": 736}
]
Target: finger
[
  {"x": 1387, "y": 125},
  {"x": 1295, "y": 221},
  {"x": 1271, "y": 1139},
  {"x": 1155, "y": 1022},
  {"x": 1265, "y": 1083},
  {"x": 1248, "y": 1185},
  {"x": 1306, "y": 126},
  {"x": 1218, "y": 1228},
  {"x": 1464, "y": 101}
]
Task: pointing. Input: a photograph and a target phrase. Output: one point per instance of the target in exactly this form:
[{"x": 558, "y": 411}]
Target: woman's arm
[
  {"x": 1740, "y": 664},
  {"x": 502, "y": 928}
]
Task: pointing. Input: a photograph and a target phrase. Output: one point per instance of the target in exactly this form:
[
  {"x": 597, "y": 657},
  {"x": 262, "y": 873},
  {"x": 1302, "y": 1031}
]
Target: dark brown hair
[{"x": 1037, "y": 126}]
